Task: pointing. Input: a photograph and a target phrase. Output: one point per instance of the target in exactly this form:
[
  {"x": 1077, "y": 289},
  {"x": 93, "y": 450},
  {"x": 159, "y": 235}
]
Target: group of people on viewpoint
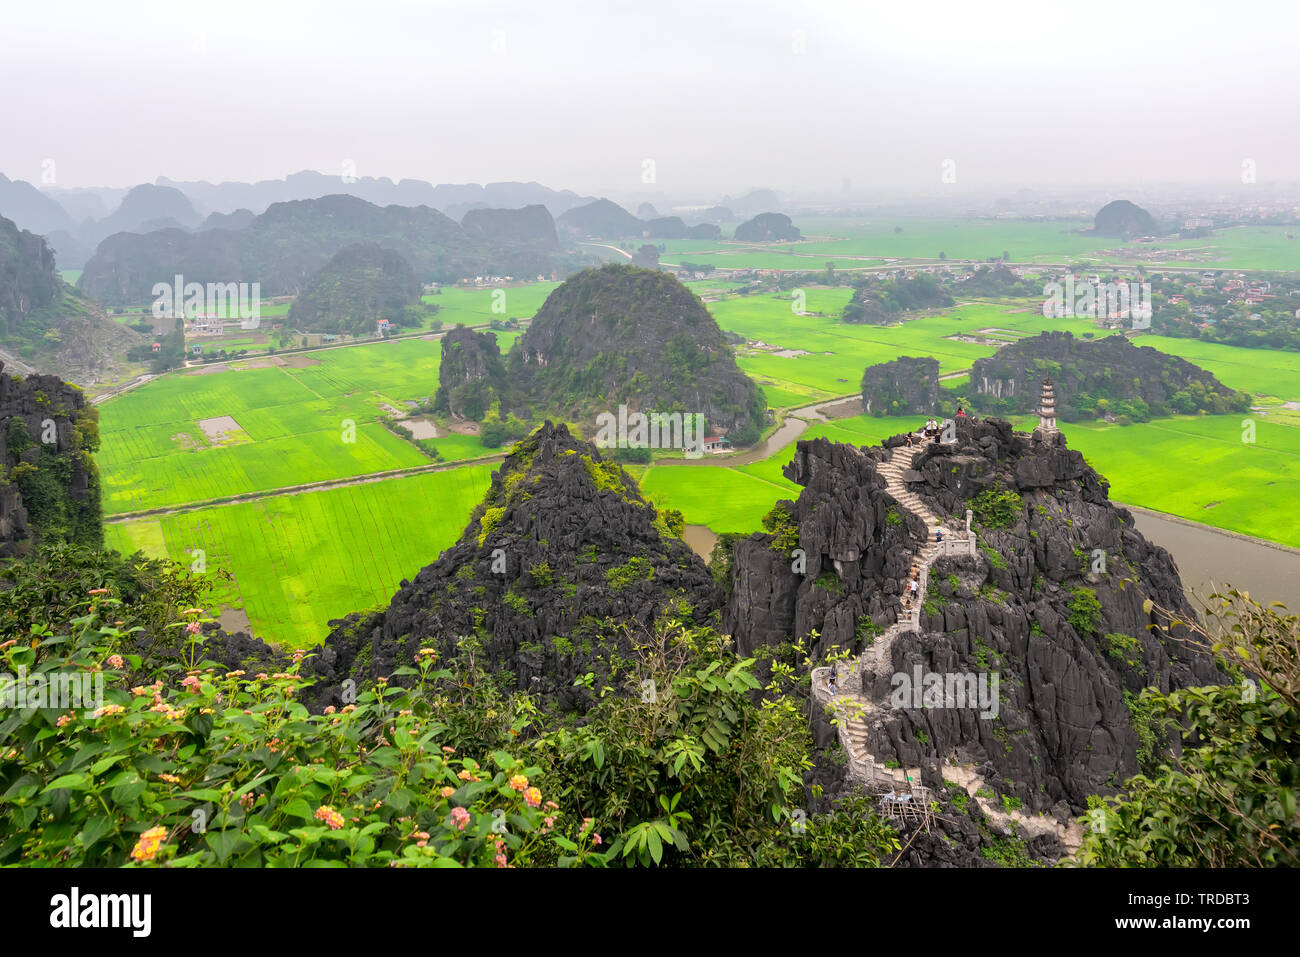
[{"x": 932, "y": 431}]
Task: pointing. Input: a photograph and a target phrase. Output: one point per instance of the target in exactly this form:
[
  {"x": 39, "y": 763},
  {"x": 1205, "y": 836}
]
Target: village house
[{"x": 716, "y": 444}]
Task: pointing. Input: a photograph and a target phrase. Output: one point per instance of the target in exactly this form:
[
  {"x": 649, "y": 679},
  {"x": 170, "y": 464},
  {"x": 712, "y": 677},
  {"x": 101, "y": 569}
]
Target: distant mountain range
[
  {"x": 75, "y": 221},
  {"x": 284, "y": 246}
]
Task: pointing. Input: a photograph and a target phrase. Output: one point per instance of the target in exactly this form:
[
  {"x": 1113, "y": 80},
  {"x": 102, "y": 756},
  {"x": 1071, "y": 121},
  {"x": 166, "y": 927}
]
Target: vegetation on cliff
[{"x": 49, "y": 483}]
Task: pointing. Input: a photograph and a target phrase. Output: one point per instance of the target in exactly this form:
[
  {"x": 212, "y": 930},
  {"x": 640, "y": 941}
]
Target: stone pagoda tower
[{"x": 1047, "y": 412}]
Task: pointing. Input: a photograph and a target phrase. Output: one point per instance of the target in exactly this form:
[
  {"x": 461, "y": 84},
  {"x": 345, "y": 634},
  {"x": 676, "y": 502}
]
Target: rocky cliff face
[
  {"x": 49, "y": 486},
  {"x": 1054, "y": 603},
  {"x": 847, "y": 583},
  {"x": 559, "y": 570},
  {"x": 28, "y": 281},
  {"x": 621, "y": 335},
  {"x": 905, "y": 386},
  {"x": 471, "y": 375}
]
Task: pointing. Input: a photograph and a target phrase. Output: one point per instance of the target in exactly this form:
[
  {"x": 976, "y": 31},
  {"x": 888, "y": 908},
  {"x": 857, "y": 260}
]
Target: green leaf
[
  {"x": 504, "y": 761},
  {"x": 298, "y": 808},
  {"x": 74, "y": 782},
  {"x": 655, "y": 845},
  {"x": 96, "y": 828},
  {"x": 223, "y": 843},
  {"x": 128, "y": 791}
]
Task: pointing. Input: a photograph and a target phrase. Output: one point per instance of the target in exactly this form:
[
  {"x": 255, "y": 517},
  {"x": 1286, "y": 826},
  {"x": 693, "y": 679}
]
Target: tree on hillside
[
  {"x": 647, "y": 256},
  {"x": 1229, "y": 798}
]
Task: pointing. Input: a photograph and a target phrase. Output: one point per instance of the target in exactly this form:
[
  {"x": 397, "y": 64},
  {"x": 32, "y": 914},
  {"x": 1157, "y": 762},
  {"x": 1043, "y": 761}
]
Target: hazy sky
[{"x": 721, "y": 96}]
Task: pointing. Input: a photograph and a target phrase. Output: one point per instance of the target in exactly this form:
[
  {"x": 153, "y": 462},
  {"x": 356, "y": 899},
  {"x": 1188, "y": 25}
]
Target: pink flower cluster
[{"x": 330, "y": 816}]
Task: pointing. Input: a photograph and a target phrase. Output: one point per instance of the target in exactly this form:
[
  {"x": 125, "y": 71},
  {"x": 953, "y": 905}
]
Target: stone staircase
[{"x": 856, "y": 713}]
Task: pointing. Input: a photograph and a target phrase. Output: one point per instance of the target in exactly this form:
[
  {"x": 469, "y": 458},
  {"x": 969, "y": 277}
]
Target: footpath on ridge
[{"x": 855, "y": 714}]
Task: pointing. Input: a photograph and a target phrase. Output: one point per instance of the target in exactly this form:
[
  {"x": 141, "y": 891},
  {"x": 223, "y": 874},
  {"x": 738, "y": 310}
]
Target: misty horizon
[{"x": 826, "y": 101}]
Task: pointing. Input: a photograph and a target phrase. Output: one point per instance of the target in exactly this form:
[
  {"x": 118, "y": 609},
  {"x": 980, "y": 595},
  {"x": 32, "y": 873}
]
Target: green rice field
[
  {"x": 312, "y": 418},
  {"x": 861, "y": 243},
  {"x": 300, "y": 560}
]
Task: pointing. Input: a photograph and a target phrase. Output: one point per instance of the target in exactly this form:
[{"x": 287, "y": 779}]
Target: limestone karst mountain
[
  {"x": 1053, "y": 594},
  {"x": 621, "y": 335},
  {"x": 360, "y": 285},
  {"x": 904, "y": 386},
  {"x": 528, "y": 226},
  {"x": 560, "y": 559},
  {"x": 284, "y": 246},
  {"x": 1112, "y": 369},
  {"x": 767, "y": 228},
  {"x": 1122, "y": 219},
  {"x": 603, "y": 219}
]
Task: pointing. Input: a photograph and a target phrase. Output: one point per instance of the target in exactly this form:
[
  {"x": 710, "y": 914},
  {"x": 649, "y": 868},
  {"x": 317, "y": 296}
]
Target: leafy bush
[
  {"x": 203, "y": 766},
  {"x": 997, "y": 507},
  {"x": 1085, "y": 610},
  {"x": 634, "y": 569},
  {"x": 1228, "y": 799},
  {"x": 784, "y": 529}
]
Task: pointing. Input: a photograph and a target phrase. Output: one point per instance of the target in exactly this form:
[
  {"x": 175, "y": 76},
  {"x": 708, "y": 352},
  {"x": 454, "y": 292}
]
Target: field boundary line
[{"x": 323, "y": 485}]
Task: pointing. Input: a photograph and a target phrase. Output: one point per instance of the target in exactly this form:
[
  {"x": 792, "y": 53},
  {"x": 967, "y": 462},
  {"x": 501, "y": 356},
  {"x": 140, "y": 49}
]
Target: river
[{"x": 1209, "y": 558}]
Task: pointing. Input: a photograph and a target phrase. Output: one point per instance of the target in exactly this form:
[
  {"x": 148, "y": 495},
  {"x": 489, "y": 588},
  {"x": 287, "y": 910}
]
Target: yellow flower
[{"x": 148, "y": 845}]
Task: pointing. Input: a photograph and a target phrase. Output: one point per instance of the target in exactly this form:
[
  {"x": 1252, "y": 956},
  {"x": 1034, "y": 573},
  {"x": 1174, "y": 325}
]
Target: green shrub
[
  {"x": 1085, "y": 610},
  {"x": 634, "y": 569},
  {"x": 996, "y": 507},
  {"x": 784, "y": 529}
]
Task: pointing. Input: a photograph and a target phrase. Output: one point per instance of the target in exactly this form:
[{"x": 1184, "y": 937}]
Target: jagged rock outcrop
[
  {"x": 471, "y": 376},
  {"x": 854, "y": 540},
  {"x": 49, "y": 485},
  {"x": 1084, "y": 373},
  {"x": 1054, "y": 603},
  {"x": 906, "y": 386},
  {"x": 768, "y": 228},
  {"x": 559, "y": 570}
]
